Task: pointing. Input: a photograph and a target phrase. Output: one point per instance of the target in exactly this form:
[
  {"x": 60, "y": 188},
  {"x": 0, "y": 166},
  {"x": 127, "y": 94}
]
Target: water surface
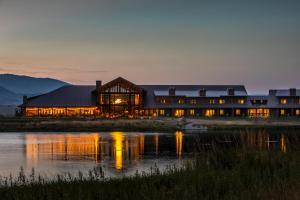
[{"x": 119, "y": 153}]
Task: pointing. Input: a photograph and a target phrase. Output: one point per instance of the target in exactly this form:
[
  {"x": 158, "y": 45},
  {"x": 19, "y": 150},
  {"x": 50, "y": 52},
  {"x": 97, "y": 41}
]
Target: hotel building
[{"x": 122, "y": 98}]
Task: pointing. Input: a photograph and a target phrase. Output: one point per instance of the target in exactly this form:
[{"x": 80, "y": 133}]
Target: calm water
[{"x": 117, "y": 152}]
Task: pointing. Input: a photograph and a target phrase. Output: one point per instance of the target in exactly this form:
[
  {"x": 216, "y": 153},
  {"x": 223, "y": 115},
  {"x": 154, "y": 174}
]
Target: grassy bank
[
  {"x": 145, "y": 125},
  {"x": 219, "y": 174},
  {"x": 81, "y": 125}
]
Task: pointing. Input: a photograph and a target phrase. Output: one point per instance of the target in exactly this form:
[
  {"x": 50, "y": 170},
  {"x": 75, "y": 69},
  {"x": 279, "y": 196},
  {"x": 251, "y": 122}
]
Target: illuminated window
[
  {"x": 181, "y": 101},
  {"x": 162, "y": 112},
  {"x": 299, "y": 101},
  {"x": 282, "y": 112},
  {"x": 163, "y": 101},
  {"x": 193, "y": 101},
  {"x": 179, "y": 113},
  {"x": 211, "y": 101},
  {"x": 222, "y": 101},
  {"x": 259, "y": 112},
  {"x": 297, "y": 112},
  {"x": 222, "y": 112},
  {"x": 238, "y": 112},
  {"x": 241, "y": 101},
  {"x": 192, "y": 112},
  {"x": 209, "y": 112},
  {"x": 283, "y": 101}
]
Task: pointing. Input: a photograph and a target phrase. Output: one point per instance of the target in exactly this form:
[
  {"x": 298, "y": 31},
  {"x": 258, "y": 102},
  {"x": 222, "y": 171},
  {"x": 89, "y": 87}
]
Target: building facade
[{"x": 122, "y": 98}]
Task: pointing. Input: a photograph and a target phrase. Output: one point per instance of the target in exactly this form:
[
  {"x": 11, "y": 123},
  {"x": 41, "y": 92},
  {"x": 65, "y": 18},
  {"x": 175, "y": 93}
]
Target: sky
[{"x": 255, "y": 43}]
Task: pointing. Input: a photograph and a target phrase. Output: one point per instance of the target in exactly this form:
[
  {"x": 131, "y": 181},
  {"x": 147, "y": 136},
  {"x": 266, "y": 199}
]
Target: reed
[{"x": 242, "y": 172}]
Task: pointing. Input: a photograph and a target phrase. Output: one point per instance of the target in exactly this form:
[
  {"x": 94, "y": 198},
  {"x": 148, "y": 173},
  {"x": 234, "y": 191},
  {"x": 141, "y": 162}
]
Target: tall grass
[{"x": 243, "y": 172}]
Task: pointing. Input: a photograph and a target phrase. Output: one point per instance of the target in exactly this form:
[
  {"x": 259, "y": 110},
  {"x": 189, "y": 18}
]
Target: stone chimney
[
  {"x": 25, "y": 100},
  {"x": 293, "y": 92},
  {"x": 172, "y": 91},
  {"x": 98, "y": 86},
  {"x": 202, "y": 92},
  {"x": 230, "y": 92}
]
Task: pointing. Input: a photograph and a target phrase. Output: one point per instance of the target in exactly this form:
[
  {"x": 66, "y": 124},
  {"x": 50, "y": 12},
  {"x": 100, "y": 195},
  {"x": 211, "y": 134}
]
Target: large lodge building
[{"x": 121, "y": 98}]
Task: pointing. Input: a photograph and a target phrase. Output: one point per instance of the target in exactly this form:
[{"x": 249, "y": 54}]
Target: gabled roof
[
  {"x": 122, "y": 81},
  {"x": 66, "y": 96}
]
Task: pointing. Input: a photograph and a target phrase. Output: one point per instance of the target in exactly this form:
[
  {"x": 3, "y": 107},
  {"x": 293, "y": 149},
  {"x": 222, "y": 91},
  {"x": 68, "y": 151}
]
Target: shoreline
[{"x": 143, "y": 125}]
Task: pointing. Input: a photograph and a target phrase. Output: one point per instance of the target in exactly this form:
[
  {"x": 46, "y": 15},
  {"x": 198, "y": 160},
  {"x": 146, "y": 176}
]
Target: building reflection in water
[
  {"x": 264, "y": 141},
  {"x": 117, "y": 147},
  {"x": 179, "y": 141}
]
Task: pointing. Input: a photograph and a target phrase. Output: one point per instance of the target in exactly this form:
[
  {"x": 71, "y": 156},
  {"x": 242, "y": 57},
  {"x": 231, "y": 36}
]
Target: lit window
[
  {"x": 162, "y": 112},
  {"x": 222, "y": 112},
  {"x": 299, "y": 101},
  {"x": 211, "y": 101},
  {"x": 222, "y": 101},
  {"x": 297, "y": 112},
  {"x": 237, "y": 112},
  {"x": 283, "y": 101},
  {"x": 181, "y": 101},
  {"x": 241, "y": 101},
  {"x": 282, "y": 112},
  {"x": 193, "y": 101},
  {"x": 163, "y": 101},
  {"x": 179, "y": 113},
  {"x": 192, "y": 112},
  {"x": 209, "y": 112}
]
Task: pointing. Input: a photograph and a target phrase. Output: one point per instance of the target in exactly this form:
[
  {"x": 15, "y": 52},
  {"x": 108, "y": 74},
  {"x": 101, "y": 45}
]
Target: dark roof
[
  {"x": 66, "y": 96},
  {"x": 188, "y": 91},
  {"x": 285, "y": 93}
]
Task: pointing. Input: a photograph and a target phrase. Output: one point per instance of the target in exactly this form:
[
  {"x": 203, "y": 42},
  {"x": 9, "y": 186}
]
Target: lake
[{"x": 120, "y": 153}]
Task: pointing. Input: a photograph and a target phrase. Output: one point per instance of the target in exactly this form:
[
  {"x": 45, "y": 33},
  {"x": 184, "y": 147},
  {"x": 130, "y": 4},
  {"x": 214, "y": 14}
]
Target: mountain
[
  {"x": 8, "y": 97},
  {"x": 29, "y": 85},
  {"x": 13, "y": 87}
]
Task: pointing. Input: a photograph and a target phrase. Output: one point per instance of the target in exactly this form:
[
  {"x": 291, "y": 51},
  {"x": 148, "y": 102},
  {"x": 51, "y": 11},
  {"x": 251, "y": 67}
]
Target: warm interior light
[{"x": 118, "y": 101}]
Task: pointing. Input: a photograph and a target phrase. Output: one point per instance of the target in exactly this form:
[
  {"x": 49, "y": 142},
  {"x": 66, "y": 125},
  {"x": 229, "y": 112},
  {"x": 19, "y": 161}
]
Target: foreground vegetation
[
  {"x": 84, "y": 124},
  {"x": 230, "y": 173},
  {"x": 15, "y": 124}
]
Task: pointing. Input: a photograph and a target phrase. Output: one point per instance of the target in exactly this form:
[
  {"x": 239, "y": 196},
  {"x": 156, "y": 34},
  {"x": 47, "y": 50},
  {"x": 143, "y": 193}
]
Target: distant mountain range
[{"x": 13, "y": 87}]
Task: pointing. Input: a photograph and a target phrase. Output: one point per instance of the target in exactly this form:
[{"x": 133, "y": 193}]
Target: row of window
[
  {"x": 257, "y": 112},
  {"x": 211, "y": 101},
  {"x": 221, "y": 101},
  {"x": 285, "y": 101}
]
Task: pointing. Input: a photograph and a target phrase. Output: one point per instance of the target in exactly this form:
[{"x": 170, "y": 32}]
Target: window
[
  {"x": 222, "y": 101},
  {"x": 181, "y": 101},
  {"x": 222, "y": 112},
  {"x": 259, "y": 112},
  {"x": 237, "y": 112},
  {"x": 162, "y": 112},
  {"x": 193, "y": 101},
  {"x": 282, "y": 112},
  {"x": 209, "y": 112},
  {"x": 241, "y": 101},
  {"x": 297, "y": 112},
  {"x": 298, "y": 101},
  {"x": 163, "y": 101},
  {"x": 211, "y": 101},
  {"x": 192, "y": 112},
  {"x": 283, "y": 101},
  {"x": 179, "y": 113}
]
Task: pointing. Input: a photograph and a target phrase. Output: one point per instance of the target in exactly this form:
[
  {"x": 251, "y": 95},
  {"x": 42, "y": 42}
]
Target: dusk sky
[{"x": 253, "y": 42}]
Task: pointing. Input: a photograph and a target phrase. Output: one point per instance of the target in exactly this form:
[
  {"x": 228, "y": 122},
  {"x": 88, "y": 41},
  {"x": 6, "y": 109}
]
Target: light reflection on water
[{"x": 118, "y": 153}]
